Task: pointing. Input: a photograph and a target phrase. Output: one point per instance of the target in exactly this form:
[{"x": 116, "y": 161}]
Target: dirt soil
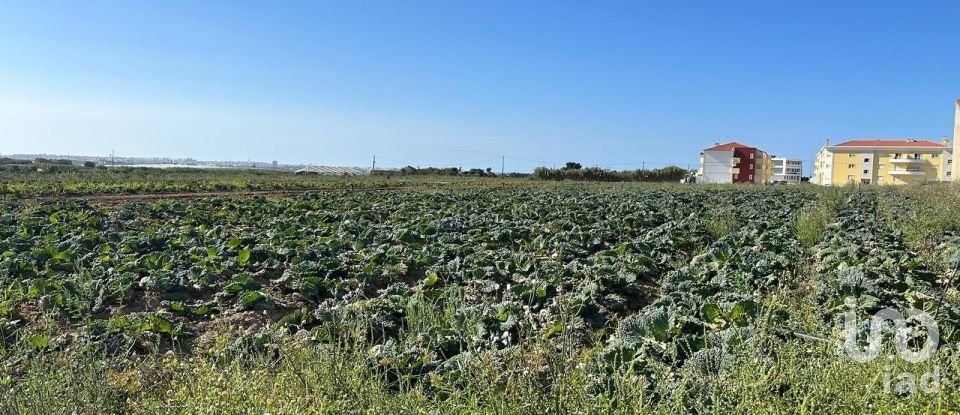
[{"x": 119, "y": 199}]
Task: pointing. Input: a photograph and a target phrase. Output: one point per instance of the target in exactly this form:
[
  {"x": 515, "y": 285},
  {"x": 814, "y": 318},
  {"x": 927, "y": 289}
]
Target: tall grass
[
  {"x": 813, "y": 220},
  {"x": 923, "y": 214},
  {"x": 722, "y": 222},
  {"x": 772, "y": 373},
  {"x": 810, "y": 225}
]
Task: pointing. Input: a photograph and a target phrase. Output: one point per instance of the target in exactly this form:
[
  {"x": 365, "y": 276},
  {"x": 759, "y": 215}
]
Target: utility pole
[
  {"x": 503, "y": 162},
  {"x": 374, "y": 167}
]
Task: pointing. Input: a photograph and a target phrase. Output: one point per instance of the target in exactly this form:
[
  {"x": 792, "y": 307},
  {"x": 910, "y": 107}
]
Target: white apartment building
[
  {"x": 787, "y": 170},
  {"x": 734, "y": 163}
]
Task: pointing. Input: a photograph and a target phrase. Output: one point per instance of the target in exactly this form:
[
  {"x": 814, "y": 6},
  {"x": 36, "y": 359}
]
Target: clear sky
[{"x": 461, "y": 83}]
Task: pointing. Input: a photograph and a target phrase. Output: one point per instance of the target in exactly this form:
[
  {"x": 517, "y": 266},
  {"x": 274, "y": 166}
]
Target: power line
[
  {"x": 529, "y": 161},
  {"x": 482, "y": 161}
]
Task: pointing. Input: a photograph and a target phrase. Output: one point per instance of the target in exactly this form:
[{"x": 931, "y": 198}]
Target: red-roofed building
[
  {"x": 891, "y": 143},
  {"x": 883, "y": 161},
  {"x": 734, "y": 163}
]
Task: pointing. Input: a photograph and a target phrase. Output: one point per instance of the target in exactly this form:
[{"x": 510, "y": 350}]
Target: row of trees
[
  {"x": 12, "y": 165},
  {"x": 572, "y": 171},
  {"x": 59, "y": 162},
  {"x": 55, "y": 162},
  {"x": 576, "y": 172},
  {"x": 443, "y": 171},
  {"x": 8, "y": 160}
]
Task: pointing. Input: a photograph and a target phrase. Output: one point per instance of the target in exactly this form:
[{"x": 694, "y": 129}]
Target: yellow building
[
  {"x": 883, "y": 162},
  {"x": 765, "y": 168},
  {"x": 956, "y": 138}
]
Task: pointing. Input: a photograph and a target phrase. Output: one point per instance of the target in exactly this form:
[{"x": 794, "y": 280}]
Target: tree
[
  {"x": 574, "y": 172},
  {"x": 89, "y": 164}
]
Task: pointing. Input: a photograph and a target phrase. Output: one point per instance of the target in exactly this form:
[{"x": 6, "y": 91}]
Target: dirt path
[{"x": 118, "y": 199}]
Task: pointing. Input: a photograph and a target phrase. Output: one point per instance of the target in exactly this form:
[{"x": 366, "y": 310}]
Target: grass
[
  {"x": 771, "y": 374},
  {"x": 294, "y": 374},
  {"x": 812, "y": 221},
  {"x": 923, "y": 214},
  {"x": 722, "y": 222},
  {"x": 810, "y": 225},
  {"x": 306, "y": 379}
]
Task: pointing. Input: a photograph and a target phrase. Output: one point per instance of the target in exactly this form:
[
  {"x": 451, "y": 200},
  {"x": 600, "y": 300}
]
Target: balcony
[
  {"x": 906, "y": 172},
  {"x": 906, "y": 160}
]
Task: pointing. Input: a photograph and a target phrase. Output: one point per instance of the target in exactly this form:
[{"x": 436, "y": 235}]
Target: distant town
[{"x": 158, "y": 162}]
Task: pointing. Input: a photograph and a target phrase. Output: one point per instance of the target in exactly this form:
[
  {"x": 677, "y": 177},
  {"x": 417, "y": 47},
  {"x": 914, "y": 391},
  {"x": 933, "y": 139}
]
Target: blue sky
[{"x": 457, "y": 83}]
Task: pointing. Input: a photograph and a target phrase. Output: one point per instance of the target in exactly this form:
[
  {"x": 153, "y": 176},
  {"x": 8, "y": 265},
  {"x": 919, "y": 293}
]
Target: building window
[
  {"x": 866, "y": 172},
  {"x": 852, "y": 155},
  {"x": 916, "y": 156},
  {"x": 850, "y": 166},
  {"x": 751, "y": 177},
  {"x": 866, "y": 160},
  {"x": 736, "y": 176},
  {"x": 950, "y": 161},
  {"x": 751, "y": 156},
  {"x": 879, "y": 179},
  {"x": 897, "y": 156},
  {"x": 935, "y": 155},
  {"x": 880, "y": 167},
  {"x": 751, "y": 166},
  {"x": 850, "y": 178}
]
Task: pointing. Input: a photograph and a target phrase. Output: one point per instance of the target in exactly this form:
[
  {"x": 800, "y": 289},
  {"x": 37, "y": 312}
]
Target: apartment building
[
  {"x": 787, "y": 170},
  {"x": 883, "y": 162},
  {"x": 734, "y": 163},
  {"x": 955, "y": 170}
]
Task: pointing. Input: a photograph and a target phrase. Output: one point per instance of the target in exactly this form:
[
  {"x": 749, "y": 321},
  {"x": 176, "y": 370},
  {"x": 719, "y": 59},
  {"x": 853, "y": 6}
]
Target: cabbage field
[{"x": 521, "y": 299}]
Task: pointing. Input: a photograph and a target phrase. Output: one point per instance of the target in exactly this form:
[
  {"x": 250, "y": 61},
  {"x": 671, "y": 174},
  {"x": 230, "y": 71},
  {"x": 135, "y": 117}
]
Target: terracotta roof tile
[
  {"x": 890, "y": 143},
  {"x": 729, "y": 146}
]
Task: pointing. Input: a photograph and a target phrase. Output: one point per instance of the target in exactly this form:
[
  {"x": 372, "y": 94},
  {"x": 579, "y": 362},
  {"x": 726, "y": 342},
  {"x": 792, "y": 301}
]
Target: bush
[
  {"x": 722, "y": 223},
  {"x": 7, "y": 160},
  {"x": 61, "y": 162},
  {"x": 573, "y": 172},
  {"x": 810, "y": 225}
]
